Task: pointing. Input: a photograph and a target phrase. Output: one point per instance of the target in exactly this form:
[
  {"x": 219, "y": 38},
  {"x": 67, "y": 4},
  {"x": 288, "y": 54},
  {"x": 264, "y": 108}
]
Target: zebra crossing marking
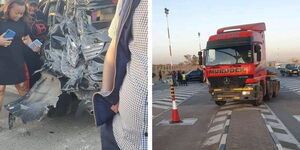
[
  {"x": 291, "y": 84},
  {"x": 162, "y": 100},
  {"x": 218, "y": 132}
]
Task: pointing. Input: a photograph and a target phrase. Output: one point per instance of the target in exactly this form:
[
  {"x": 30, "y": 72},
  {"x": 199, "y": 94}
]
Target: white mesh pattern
[{"x": 131, "y": 124}]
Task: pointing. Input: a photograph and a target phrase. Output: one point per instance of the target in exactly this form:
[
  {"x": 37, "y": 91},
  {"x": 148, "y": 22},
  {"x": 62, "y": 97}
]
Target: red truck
[{"x": 235, "y": 65}]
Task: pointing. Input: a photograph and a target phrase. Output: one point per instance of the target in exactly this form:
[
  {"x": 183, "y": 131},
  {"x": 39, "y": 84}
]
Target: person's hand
[
  {"x": 26, "y": 40},
  {"x": 115, "y": 108},
  {"x": 37, "y": 48},
  {"x": 5, "y": 41}
]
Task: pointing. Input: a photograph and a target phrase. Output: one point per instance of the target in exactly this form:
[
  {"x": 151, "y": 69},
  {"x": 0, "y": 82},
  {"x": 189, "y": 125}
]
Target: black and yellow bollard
[{"x": 175, "y": 114}]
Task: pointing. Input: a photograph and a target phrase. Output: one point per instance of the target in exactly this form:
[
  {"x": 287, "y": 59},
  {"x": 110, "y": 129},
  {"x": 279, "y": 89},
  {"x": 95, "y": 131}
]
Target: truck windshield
[{"x": 230, "y": 55}]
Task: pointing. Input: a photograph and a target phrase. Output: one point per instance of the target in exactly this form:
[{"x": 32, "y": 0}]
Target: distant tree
[{"x": 191, "y": 59}]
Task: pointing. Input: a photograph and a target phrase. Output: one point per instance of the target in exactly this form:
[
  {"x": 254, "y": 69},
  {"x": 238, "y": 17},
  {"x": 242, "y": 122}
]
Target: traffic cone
[{"x": 175, "y": 114}]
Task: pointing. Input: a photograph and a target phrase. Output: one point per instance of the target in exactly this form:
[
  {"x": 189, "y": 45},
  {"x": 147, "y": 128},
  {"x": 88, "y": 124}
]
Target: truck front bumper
[{"x": 245, "y": 93}]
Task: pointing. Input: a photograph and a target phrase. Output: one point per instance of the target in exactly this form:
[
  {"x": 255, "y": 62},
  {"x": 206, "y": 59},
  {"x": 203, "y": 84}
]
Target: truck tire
[
  {"x": 269, "y": 92},
  {"x": 276, "y": 90},
  {"x": 260, "y": 96},
  {"x": 220, "y": 103}
]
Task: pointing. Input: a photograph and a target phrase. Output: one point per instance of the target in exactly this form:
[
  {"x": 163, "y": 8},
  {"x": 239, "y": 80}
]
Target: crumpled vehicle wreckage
[{"x": 73, "y": 60}]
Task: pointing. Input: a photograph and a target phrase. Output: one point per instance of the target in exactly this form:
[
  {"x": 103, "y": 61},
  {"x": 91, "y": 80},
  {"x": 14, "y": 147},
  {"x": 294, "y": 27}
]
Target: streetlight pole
[
  {"x": 170, "y": 49},
  {"x": 175, "y": 114},
  {"x": 199, "y": 41}
]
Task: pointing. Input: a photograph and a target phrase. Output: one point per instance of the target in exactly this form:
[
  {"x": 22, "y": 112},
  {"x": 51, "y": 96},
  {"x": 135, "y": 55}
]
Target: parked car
[
  {"x": 195, "y": 75},
  {"x": 290, "y": 69}
]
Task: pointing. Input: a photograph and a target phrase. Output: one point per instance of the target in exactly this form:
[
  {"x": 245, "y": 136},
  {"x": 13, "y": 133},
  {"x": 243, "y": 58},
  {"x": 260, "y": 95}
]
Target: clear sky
[{"x": 188, "y": 17}]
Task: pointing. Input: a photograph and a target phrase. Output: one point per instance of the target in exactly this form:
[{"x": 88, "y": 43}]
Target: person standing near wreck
[
  {"x": 13, "y": 16},
  {"x": 128, "y": 128}
]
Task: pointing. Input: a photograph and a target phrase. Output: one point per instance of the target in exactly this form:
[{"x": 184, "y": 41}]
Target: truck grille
[{"x": 227, "y": 82}]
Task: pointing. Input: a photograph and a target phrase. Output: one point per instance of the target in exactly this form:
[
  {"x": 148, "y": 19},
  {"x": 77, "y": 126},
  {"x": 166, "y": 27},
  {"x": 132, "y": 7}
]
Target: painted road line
[
  {"x": 288, "y": 137},
  {"x": 162, "y": 102},
  {"x": 216, "y": 128},
  {"x": 271, "y": 117},
  {"x": 223, "y": 142},
  {"x": 218, "y": 119},
  {"x": 212, "y": 140},
  {"x": 223, "y": 112},
  {"x": 285, "y": 138},
  {"x": 218, "y": 133},
  {"x": 169, "y": 100},
  {"x": 179, "y": 97},
  {"x": 275, "y": 125},
  {"x": 297, "y": 117},
  {"x": 160, "y": 106},
  {"x": 184, "y": 92}
]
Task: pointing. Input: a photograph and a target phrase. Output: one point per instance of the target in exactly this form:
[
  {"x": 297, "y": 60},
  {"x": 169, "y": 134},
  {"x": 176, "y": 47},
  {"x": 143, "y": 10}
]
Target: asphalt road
[
  {"x": 235, "y": 126},
  {"x": 62, "y": 133}
]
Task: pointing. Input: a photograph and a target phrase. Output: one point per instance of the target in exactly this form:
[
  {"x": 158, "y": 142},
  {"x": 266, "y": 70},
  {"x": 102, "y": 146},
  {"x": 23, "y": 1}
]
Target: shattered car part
[
  {"x": 33, "y": 105},
  {"x": 73, "y": 56}
]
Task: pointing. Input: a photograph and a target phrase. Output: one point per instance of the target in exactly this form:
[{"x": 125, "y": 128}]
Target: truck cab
[{"x": 235, "y": 65}]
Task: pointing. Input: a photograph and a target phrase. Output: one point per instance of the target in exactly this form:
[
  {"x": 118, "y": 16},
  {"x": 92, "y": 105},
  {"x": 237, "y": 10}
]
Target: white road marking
[
  {"x": 223, "y": 140},
  {"x": 160, "y": 106},
  {"x": 162, "y": 102},
  {"x": 222, "y": 118},
  {"x": 216, "y": 128},
  {"x": 297, "y": 117},
  {"x": 275, "y": 125},
  {"x": 269, "y": 128},
  {"x": 223, "y": 112},
  {"x": 270, "y": 117},
  {"x": 213, "y": 140},
  {"x": 289, "y": 137},
  {"x": 285, "y": 137}
]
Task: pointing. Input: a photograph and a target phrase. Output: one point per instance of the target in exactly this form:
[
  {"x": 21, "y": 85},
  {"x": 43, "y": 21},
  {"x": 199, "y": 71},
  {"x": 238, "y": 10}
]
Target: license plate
[{"x": 294, "y": 71}]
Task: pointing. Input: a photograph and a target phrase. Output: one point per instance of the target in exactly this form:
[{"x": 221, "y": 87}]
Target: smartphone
[
  {"x": 9, "y": 34},
  {"x": 35, "y": 43}
]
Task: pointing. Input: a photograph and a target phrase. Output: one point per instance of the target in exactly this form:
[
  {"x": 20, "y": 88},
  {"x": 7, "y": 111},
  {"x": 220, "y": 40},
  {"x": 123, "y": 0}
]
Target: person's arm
[{"x": 109, "y": 68}]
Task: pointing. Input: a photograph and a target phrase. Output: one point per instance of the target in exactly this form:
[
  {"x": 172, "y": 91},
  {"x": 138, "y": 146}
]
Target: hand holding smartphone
[
  {"x": 9, "y": 34},
  {"x": 6, "y": 38},
  {"x": 34, "y": 44}
]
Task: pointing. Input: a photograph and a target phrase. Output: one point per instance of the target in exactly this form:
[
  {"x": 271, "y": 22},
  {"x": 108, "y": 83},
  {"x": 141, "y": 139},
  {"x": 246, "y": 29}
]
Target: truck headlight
[{"x": 245, "y": 92}]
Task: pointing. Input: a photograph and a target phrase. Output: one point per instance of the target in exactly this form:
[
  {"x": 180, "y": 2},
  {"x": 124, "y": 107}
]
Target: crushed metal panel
[{"x": 33, "y": 105}]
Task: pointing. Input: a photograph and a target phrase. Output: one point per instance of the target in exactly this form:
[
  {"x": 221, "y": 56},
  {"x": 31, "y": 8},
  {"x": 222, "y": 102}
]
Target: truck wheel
[
  {"x": 269, "y": 92},
  {"x": 260, "y": 96},
  {"x": 276, "y": 90},
  {"x": 220, "y": 103}
]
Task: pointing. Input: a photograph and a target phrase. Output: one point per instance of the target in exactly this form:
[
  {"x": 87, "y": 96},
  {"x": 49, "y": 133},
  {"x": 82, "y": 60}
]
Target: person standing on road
[
  {"x": 179, "y": 77},
  {"x": 38, "y": 30},
  {"x": 13, "y": 16},
  {"x": 184, "y": 81},
  {"x": 127, "y": 130},
  {"x": 160, "y": 75},
  {"x": 174, "y": 78}
]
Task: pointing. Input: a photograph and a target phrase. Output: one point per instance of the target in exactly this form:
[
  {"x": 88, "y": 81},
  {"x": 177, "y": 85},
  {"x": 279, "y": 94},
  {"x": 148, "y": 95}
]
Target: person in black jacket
[{"x": 13, "y": 16}]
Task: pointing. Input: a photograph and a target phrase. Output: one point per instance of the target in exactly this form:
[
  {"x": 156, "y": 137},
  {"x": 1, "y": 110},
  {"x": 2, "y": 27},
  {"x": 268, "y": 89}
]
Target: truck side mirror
[
  {"x": 257, "y": 49},
  {"x": 200, "y": 58}
]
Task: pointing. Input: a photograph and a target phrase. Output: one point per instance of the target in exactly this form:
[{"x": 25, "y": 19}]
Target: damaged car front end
[{"x": 73, "y": 59}]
